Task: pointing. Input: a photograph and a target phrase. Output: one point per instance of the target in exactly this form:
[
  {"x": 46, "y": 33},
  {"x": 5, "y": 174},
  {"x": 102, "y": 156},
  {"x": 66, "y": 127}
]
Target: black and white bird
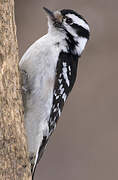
[{"x": 49, "y": 69}]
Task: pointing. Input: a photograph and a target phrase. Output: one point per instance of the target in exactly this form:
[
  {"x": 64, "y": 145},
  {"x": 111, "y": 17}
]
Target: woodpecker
[{"x": 48, "y": 70}]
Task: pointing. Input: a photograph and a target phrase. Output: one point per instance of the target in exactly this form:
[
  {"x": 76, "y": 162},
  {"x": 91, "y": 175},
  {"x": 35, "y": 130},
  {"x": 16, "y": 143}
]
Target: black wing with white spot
[{"x": 65, "y": 77}]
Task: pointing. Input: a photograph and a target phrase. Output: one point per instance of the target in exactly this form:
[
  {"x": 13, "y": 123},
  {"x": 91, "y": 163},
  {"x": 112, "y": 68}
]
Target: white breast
[{"x": 39, "y": 62}]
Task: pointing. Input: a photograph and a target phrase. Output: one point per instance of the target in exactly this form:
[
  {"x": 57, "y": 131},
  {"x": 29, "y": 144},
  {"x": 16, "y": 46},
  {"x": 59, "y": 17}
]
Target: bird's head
[{"x": 72, "y": 25}]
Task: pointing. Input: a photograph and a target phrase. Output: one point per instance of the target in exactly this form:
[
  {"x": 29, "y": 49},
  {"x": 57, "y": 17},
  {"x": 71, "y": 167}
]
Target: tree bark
[{"x": 14, "y": 163}]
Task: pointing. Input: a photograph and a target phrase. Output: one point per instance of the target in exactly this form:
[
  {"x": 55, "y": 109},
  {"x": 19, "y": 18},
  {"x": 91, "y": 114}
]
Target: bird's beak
[
  {"x": 50, "y": 13},
  {"x": 56, "y": 16}
]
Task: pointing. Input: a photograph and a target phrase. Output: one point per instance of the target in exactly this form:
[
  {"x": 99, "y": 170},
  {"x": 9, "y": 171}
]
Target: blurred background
[{"x": 85, "y": 143}]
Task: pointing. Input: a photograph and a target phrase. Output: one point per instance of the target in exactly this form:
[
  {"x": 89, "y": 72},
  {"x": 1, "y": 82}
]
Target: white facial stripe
[
  {"x": 78, "y": 21},
  {"x": 82, "y": 42},
  {"x": 70, "y": 30}
]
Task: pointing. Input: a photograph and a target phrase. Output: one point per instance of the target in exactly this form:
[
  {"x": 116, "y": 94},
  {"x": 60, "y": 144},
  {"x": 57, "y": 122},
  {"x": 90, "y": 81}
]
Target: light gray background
[{"x": 85, "y": 143}]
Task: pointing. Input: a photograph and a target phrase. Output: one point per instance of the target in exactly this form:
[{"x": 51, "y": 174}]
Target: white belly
[{"x": 39, "y": 105}]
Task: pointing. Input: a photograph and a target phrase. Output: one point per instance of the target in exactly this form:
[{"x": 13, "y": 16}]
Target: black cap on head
[{"x": 69, "y": 11}]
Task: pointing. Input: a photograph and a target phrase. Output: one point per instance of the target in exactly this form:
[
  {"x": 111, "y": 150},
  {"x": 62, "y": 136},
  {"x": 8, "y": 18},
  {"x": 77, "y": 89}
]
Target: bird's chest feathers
[
  {"x": 44, "y": 78},
  {"x": 49, "y": 55}
]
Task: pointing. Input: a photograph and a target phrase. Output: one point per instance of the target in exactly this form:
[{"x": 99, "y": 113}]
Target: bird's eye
[{"x": 69, "y": 20}]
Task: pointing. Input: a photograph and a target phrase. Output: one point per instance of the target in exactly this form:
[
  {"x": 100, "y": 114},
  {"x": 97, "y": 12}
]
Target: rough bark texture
[{"x": 14, "y": 164}]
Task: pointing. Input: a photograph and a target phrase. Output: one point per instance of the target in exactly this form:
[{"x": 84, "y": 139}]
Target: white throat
[{"x": 60, "y": 36}]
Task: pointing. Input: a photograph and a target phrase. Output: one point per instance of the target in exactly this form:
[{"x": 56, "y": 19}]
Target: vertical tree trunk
[{"x": 14, "y": 164}]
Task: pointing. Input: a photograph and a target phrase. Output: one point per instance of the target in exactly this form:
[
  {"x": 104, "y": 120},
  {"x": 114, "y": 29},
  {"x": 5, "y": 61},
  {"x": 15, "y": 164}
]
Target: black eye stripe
[
  {"x": 82, "y": 32},
  {"x": 69, "y": 20}
]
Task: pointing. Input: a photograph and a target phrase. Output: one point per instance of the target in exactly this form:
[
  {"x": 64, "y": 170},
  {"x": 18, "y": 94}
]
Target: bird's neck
[
  {"x": 57, "y": 34},
  {"x": 75, "y": 45}
]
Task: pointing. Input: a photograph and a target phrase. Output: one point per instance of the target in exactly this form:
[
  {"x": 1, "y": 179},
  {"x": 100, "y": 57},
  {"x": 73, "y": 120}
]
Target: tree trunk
[{"x": 14, "y": 163}]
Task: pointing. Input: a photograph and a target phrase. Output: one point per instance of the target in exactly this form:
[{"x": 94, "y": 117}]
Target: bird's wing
[{"x": 65, "y": 77}]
